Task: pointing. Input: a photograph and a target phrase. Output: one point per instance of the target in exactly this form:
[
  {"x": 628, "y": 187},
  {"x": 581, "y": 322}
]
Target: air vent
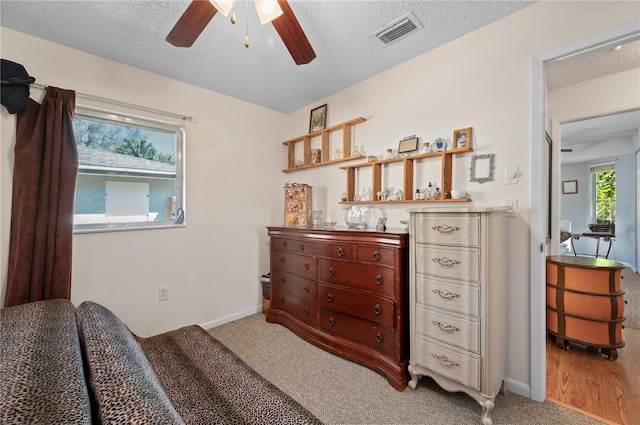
[{"x": 398, "y": 29}]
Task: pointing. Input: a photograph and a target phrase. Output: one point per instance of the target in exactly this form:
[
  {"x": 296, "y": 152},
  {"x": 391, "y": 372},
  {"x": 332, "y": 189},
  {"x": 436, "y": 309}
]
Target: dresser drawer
[
  {"x": 282, "y": 244},
  {"x": 448, "y": 362},
  {"x": 302, "y": 310},
  {"x": 461, "y": 332},
  {"x": 371, "y": 307},
  {"x": 448, "y": 229},
  {"x": 324, "y": 249},
  {"x": 301, "y": 265},
  {"x": 358, "y": 330},
  {"x": 296, "y": 285},
  {"x": 455, "y": 263},
  {"x": 359, "y": 276},
  {"x": 449, "y": 295},
  {"x": 376, "y": 255}
]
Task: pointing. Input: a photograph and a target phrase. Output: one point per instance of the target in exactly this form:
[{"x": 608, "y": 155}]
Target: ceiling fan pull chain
[
  {"x": 233, "y": 17},
  {"x": 246, "y": 36}
]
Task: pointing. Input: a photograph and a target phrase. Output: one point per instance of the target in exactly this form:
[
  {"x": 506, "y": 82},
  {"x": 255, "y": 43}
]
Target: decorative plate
[{"x": 440, "y": 144}]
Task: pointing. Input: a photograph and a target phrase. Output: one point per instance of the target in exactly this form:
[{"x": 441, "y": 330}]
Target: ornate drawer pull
[
  {"x": 329, "y": 297},
  {"x": 281, "y": 299},
  {"x": 307, "y": 289},
  {"x": 379, "y": 337},
  {"x": 445, "y": 229},
  {"x": 445, "y": 326},
  {"x": 306, "y": 311},
  {"x": 282, "y": 279},
  {"x": 447, "y": 295},
  {"x": 332, "y": 272},
  {"x": 379, "y": 280},
  {"x": 340, "y": 252},
  {"x": 332, "y": 321},
  {"x": 447, "y": 262},
  {"x": 282, "y": 260},
  {"x": 376, "y": 256},
  {"x": 377, "y": 309},
  {"x": 307, "y": 266},
  {"x": 284, "y": 244},
  {"x": 444, "y": 360},
  {"x": 301, "y": 247}
]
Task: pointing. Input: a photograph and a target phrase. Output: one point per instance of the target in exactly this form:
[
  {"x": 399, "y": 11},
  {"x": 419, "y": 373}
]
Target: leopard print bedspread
[
  {"x": 42, "y": 381},
  {"x": 209, "y": 384}
]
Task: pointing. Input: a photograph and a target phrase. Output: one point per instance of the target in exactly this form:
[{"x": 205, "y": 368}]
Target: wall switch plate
[
  {"x": 512, "y": 203},
  {"x": 163, "y": 293},
  {"x": 511, "y": 175}
]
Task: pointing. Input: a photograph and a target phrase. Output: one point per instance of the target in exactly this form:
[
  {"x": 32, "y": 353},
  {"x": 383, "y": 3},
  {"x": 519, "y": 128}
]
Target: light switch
[
  {"x": 512, "y": 203},
  {"x": 511, "y": 175}
]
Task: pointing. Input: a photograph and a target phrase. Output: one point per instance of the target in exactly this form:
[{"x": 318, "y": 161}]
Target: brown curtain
[{"x": 44, "y": 180}]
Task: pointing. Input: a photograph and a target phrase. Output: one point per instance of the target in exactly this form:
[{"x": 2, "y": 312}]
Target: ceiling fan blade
[
  {"x": 566, "y": 150},
  {"x": 192, "y": 22},
  {"x": 293, "y": 36}
]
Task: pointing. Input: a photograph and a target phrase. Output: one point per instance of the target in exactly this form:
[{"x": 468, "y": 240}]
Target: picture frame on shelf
[
  {"x": 318, "y": 118},
  {"x": 463, "y": 138},
  {"x": 407, "y": 146},
  {"x": 569, "y": 187}
]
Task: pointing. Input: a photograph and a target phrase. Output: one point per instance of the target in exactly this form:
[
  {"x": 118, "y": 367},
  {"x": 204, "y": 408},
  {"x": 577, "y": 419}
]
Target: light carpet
[{"x": 341, "y": 392}]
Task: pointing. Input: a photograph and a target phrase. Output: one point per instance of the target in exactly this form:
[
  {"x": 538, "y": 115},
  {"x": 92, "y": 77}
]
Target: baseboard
[
  {"x": 232, "y": 317},
  {"x": 519, "y": 388}
]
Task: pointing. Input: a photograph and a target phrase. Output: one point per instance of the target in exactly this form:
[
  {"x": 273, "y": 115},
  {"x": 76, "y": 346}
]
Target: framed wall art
[
  {"x": 318, "y": 118},
  {"x": 569, "y": 187},
  {"x": 462, "y": 138},
  {"x": 408, "y": 145}
]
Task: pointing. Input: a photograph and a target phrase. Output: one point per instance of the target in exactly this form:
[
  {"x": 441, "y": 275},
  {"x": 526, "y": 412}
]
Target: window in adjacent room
[
  {"x": 603, "y": 177},
  {"x": 131, "y": 172}
]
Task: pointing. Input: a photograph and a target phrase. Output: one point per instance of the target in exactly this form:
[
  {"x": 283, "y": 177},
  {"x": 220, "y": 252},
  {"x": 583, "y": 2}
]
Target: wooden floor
[{"x": 582, "y": 380}]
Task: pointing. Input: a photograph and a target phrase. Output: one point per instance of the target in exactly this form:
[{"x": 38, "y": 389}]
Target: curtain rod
[{"x": 194, "y": 120}]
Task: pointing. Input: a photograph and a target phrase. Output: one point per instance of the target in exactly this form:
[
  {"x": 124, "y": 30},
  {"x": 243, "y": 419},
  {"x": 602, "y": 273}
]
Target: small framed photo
[
  {"x": 408, "y": 145},
  {"x": 318, "y": 118},
  {"x": 462, "y": 138},
  {"x": 569, "y": 187}
]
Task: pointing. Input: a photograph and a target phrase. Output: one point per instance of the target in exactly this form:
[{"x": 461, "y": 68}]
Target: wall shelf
[{"x": 345, "y": 127}]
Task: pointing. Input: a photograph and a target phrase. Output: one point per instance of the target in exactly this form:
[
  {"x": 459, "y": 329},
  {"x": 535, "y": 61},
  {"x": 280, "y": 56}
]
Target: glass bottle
[
  {"x": 426, "y": 148},
  {"x": 389, "y": 154},
  {"x": 437, "y": 195}
]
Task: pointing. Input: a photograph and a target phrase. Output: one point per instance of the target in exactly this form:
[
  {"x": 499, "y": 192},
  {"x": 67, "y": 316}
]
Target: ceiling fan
[{"x": 198, "y": 14}]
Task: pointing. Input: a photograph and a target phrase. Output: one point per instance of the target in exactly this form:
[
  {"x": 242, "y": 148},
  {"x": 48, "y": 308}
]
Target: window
[
  {"x": 131, "y": 172},
  {"x": 604, "y": 189}
]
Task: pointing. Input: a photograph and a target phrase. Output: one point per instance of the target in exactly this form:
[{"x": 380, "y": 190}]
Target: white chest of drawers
[{"x": 457, "y": 301}]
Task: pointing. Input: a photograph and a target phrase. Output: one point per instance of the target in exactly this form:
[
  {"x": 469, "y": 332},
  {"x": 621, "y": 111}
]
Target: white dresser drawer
[
  {"x": 455, "y": 365},
  {"x": 455, "y": 263},
  {"x": 461, "y": 332},
  {"x": 448, "y": 229},
  {"x": 459, "y": 297}
]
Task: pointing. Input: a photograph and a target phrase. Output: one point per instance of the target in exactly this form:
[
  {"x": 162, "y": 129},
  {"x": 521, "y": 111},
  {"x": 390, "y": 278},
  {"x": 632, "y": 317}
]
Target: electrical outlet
[
  {"x": 511, "y": 175},
  {"x": 163, "y": 293},
  {"x": 512, "y": 203}
]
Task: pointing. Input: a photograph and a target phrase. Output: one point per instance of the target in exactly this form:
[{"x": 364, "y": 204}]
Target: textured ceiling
[{"x": 133, "y": 32}]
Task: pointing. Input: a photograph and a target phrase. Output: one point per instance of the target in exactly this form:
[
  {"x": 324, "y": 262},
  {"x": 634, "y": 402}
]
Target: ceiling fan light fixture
[
  {"x": 268, "y": 10},
  {"x": 223, "y": 6}
]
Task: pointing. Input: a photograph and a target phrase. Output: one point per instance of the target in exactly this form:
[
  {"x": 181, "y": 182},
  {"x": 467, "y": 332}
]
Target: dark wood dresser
[{"x": 346, "y": 292}]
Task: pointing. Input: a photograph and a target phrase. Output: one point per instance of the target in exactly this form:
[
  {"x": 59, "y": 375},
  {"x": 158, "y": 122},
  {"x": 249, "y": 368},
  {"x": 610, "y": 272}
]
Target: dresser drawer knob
[
  {"x": 379, "y": 337},
  {"x": 444, "y": 261},
  {"x": 282, "y": 279},
  {"x": 301, "y": 247},
  {"x": 377, "y": 309},
  {"x": 445, "y": 326},
  {"x": 307, "y": 289},
  {"x": 282, "y": 299},
  {"x": 376, "y": 256},
  {"x": 284, "y": 244},
  {"x": 307, "y": 266},
  {"x": 340, "y": 252},
  {"x": 444, "y": 360},
  {"x": 445, "y": 229},
  {"x": 329, "y": 297},
  {"x": 332, "y": 272},
  {"x": 447, "y": 295},
  {"x": 282, "y": 260},
  {"x": 332, "y": 321},
  {"x": 379, "y": 280},
  {"x": 306, "y": 311}
]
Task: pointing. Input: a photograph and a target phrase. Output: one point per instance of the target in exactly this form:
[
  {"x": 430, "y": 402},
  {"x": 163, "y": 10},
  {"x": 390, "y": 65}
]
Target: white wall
[
  {"x": 212, "y": 265},
  {"x": 481, "y": 80}
]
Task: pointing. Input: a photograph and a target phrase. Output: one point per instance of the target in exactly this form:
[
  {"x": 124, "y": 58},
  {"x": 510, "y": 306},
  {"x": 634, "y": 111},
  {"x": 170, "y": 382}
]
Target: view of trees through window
[{"x": 605, "y": 187}]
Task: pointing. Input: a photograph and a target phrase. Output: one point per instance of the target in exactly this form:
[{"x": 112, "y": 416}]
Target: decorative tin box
[{"x": 297, "y": 204}]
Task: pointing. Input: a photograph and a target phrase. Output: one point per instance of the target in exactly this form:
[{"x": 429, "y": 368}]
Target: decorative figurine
[{"x": 381, "y": 227}]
